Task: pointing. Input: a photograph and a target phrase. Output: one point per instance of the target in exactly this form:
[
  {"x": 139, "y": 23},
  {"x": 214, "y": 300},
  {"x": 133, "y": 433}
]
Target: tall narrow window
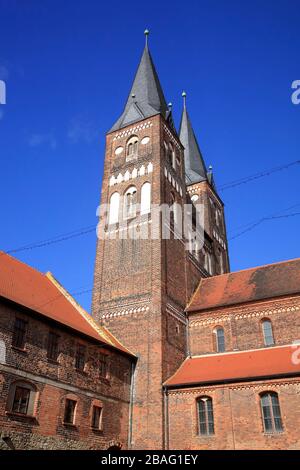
[
  {"x": 166, "y": 151},
  {"x": 130, "y": 202},
  {"x": 271, "y": 412},
  {"x": 221, "y": 262},
  {"x": 103, "y": 366},
  {"x": 96, "y": 417},
  {"x": 80, "y": 357},
  {"x": 172, "y": 156},
  {"x": 268, "y": 332},
  {"x": 220, "y": 339},
  {"x": 18, "y": 340},
  {"x": 146, "y": 198},
  {"x": 205, "y": 416},
  {"x": 69, "y": 416},
  {"x": 114, "y": 205},
  {"x": 52, "y": 352}
]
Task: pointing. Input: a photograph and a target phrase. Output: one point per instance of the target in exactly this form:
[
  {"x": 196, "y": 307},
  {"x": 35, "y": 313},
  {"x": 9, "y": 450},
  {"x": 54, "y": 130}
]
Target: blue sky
[{"x": 68, "y": 67}]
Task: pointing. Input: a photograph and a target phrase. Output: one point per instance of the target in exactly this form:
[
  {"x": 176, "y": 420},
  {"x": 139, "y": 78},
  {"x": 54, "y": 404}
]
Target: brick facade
[
  {"x": 237, "y": 417},
  {"x": 243, "y": 325},
  {"x": 54, "y": 382}
]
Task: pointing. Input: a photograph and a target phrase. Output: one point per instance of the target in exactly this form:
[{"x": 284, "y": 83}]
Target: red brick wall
[
  {"x": 242, "y": 325},
  {"x": 55, "y": 381},
  {"x": 141, "y": 287},
  {"x": 237, "y": 417}
]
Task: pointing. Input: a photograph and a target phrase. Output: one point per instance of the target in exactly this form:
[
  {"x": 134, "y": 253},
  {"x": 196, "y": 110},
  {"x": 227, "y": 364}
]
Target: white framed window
[
  {"x": 114, "y": 206},
  {"x": 132, "y": 148},
  {"x": 130, "y": 202},
  {"x": 146, "y": 198}
]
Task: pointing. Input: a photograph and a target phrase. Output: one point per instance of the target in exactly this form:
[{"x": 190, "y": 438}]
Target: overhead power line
[
  {"x": 256, "y": 176},
  {"x": 281, "y": 212},
  {"x": 53, "y": 240},
  {"x": 264, "y": 219}
]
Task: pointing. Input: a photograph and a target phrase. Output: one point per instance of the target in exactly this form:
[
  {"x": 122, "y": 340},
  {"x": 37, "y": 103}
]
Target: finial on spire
[
  {"x": 146, "y": 33},
  {"x": 183, "y": 94},
  {"x": 210, "y": 169},
  {"x": 170, "y": 105}
]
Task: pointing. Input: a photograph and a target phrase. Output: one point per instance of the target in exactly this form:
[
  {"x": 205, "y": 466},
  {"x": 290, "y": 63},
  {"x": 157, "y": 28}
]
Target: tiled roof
[
  {"x": 236, "y": 366},
  {"x": 253, "y": 284},
  {"x": 41, "y": 293},
  {"x": 195, "y": 168},
  {"x": 146, "y": 97}
]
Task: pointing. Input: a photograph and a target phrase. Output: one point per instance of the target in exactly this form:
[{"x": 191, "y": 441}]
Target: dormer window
[{"x": 132, "y": 148}]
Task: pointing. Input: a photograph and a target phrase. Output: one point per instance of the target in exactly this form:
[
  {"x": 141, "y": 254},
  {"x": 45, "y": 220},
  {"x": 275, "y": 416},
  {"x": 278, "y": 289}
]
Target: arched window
[
  {"x": 21, "y": 398},
  {"x": 130, "y": 201},
  {"x": 219, "y": 339},
  {"x": 172, "y": 209},
  {"x": 166, "y": 151},
  {"x": 205, "y": 416},
  {"x": 114, "y": 205},
  {"x": 221, "y": 261},
  {"x": 172, "y": 156},
  {"x": 132, "y": 148},
  {"x": 268, "y": 332},
  {"x": 146, "y": 198},
  {"x": 271, "y": 414}
]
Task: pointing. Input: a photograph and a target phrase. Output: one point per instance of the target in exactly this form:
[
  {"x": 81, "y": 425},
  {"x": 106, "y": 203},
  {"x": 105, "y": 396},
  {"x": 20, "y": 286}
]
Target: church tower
[
  {"x": 201, "y": 190},
  {"x": 142, "y": 284}
]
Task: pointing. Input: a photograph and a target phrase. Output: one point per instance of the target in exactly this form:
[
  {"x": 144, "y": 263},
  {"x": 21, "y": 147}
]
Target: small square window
[
  {"x": 69, "y": 415},
  {"x": 21, "y": 400}
]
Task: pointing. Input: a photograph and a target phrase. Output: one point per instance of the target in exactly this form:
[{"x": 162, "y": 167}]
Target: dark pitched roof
[
  {"x": 195, "y": 168},
  {"x": 235, "y": 367},
  {"x": 263, "y": 282},
  {"x": 43, "y": 294},
  {"x": 146, "y": 97}
]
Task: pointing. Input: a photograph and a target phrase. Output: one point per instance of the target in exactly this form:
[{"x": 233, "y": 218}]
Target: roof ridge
[
  {"x": 102, "y": 331},
  {"x": 252, "y": 268}
]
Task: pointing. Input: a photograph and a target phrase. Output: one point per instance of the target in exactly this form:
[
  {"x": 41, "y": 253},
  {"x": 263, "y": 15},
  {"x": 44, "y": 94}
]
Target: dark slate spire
[
  {"x": 146, "y": 97},
  {"x": 195, "y": 168}
]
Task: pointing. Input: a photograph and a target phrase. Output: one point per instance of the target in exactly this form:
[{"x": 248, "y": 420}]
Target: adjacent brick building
[
  {"x": 64, "y": 381},
  {"x": 179, "y": 353},
  {"x": 243, "y": 365}
]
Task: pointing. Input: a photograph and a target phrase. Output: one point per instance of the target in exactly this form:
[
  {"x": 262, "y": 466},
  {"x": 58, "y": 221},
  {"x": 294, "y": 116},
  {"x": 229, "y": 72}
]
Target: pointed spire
[
  {"x": 195, "y": 168},
  {"x": 146, "y": 97}
]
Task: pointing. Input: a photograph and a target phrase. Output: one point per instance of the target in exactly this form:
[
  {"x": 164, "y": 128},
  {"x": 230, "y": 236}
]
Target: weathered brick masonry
[{"x": 179, "y": 353}]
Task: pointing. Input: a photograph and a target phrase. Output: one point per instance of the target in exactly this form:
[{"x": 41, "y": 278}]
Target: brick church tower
[{"x": 142, "y": 285}]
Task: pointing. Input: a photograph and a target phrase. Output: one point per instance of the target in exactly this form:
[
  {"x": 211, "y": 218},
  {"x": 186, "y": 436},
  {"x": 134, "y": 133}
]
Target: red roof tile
[
  {"x": 43, "y": 294},
  {"x": 253, "y": 284},
  {"x": 236, "y": 366}
]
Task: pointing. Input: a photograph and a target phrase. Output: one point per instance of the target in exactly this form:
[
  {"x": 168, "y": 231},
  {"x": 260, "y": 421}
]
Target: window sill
[
  {"x": 52, "y": 361},
  {"x": 70, "y": 425},
  {"x": 105, "y": 380},
  {"x": 97, "y": 430},
  {"x": 273, "y": 433},
  {"x": 15, "y": 414},
  {"x": 21, "y": 350},
  {"x": 82, "y": 372}
]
